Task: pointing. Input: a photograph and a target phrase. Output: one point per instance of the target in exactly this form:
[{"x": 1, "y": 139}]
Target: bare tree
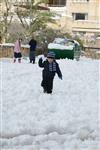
[
  {"x": 32, "y": 17},
  {"x": 6, "y": 17}
]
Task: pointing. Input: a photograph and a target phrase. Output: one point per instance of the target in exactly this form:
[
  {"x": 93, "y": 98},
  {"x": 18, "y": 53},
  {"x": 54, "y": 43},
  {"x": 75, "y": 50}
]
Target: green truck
[{"x": 65, "y": 48}]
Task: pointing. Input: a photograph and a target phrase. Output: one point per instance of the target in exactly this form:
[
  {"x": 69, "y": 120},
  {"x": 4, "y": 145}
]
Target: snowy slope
[{"x": 66, "y": 120}]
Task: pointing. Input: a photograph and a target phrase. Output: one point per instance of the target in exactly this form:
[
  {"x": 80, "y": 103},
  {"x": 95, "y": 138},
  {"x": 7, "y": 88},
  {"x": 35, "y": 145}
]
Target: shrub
[{"x": 80, "y": 42}]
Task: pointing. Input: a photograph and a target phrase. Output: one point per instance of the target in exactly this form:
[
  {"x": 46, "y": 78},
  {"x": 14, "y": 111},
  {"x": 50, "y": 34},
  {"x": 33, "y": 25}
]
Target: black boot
[
  {"x": 44, "y": 91},
  {"x": 19, "y": 60},
  {"x": 49, "y": 92}
]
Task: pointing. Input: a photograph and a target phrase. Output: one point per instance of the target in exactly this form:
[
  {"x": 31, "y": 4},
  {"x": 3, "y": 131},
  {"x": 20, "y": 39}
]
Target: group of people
[
  {"x": 17, "y": 50},
  {"x": 51, "y": 67}
]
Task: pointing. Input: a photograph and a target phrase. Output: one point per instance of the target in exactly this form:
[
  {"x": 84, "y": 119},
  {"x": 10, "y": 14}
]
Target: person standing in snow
[
  {"x": 17, "y": 50},
  {"x": 33, "y": 44},
  {"x": 51, "y": 67}
]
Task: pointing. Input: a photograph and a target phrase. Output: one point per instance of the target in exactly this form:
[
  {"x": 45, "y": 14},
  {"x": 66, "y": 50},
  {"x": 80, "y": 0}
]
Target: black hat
[{"x": 51, "y": 54}]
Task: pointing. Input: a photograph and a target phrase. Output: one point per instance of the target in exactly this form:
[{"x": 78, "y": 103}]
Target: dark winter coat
[
  {"x": 50, "y": 69},
  {"x": 33, "y": 45}
]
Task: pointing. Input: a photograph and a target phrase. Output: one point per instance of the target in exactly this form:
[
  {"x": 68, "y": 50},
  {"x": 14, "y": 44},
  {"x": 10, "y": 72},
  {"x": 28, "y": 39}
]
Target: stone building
[
  {"x": 78, "y": 15},
  {"x": 83, "y": 15},
  {"x": 75, "y": 15}
]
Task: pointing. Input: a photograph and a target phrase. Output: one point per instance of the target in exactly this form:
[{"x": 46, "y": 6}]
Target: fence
[{"x": 6, "y": 50}]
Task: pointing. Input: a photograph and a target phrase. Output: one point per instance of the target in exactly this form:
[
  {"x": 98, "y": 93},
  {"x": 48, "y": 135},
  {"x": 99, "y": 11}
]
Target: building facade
[
  {"x": 84, "y": 15},
  {"x": 75, "y": 15},
  {"x": 78, "y": 15}
]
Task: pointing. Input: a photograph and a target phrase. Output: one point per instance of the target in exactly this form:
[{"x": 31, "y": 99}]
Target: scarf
[{"x": 52, "y": 66}]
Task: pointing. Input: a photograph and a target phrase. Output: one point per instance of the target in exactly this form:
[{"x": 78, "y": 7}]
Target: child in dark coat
[{"x": 51, "y": 67}]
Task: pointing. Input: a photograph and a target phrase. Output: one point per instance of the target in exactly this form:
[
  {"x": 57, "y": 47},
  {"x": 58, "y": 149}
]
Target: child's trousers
[{"x": 47, "y": 84}]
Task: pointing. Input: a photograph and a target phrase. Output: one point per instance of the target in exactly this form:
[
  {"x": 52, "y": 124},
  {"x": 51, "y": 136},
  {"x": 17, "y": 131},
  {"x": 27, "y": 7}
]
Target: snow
[
  {"x": 12, "y": 45},
  {"x": 66, "y": 120},
  {"x": 59, "y": 46},
  {"x": 62, "y": 44},
  {"x": 97, "y": 38}
]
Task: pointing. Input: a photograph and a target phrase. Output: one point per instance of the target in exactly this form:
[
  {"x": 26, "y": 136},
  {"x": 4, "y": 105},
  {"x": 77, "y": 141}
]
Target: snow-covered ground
[{"x": 66, "y": 120}]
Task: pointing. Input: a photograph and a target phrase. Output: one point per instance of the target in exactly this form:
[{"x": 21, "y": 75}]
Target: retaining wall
[{"x": 6, "y": 50}]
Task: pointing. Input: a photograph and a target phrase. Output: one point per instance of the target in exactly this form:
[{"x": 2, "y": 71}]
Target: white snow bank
[
  {"x": 12, "y": 45},
  {"x": 59, "y": 46},
  {"x": 62, "y": 44},
  {"x": 66, "y": 120}
]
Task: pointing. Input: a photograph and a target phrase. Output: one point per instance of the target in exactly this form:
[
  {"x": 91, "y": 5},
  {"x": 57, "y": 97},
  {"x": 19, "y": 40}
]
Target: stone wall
[
  {"x": 8, "y": 52},
  {"x": 91, "y": 53}
]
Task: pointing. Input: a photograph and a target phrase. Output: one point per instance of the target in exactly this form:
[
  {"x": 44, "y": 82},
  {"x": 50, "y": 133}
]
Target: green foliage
[
  {"x": 67, "y": 35},
  {"x": 80, "y": 42},
  {"x": 40, "y": 21},
  {"x": 46, "y": 36},
  {"x": 38, "y": 2},
  {"x": 38, "y": 18}
]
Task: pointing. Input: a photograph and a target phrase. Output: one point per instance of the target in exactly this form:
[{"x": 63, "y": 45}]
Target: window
[
  {"x": 80, "y": 16},
  {"x": 57, "y": 3}
]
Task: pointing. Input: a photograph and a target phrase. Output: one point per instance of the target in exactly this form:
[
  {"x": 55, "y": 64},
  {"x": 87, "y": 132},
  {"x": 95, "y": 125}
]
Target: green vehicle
[{"x": 65, "y": 48}]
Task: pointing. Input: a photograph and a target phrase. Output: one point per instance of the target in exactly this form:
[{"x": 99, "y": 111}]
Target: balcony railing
[{"x": 86, "y": 25}]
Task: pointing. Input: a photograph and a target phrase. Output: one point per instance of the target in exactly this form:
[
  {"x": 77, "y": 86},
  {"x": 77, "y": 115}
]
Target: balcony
[{"x": 86, "y": 25}]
